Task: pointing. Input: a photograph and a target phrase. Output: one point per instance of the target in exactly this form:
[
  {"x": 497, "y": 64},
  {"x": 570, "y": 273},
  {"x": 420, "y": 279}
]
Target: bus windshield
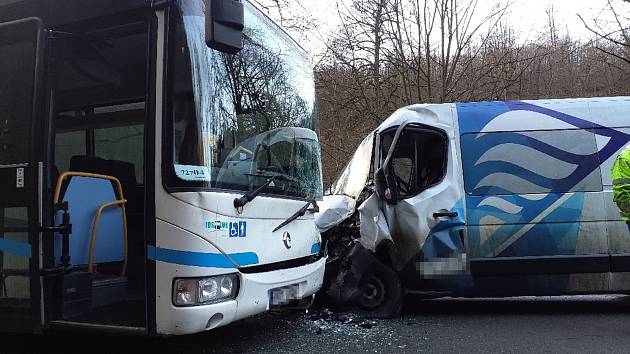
[{"x": 238, "y": 118}]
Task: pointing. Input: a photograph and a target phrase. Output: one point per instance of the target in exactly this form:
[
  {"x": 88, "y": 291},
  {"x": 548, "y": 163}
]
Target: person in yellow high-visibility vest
[{"x": 621, "y": 184}]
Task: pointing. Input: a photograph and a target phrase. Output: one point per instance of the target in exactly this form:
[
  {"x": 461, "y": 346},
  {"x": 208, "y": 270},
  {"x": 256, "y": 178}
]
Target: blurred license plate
[{"x": 281, "y": 296}]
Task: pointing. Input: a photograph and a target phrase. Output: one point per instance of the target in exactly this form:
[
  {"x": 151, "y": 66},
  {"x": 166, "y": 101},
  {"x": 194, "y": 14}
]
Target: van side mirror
[{"x": 224, "y": 25}]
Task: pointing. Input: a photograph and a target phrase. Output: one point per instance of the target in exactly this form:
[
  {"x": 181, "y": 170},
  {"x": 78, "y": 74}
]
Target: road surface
[{"x": 524, "y": 324}]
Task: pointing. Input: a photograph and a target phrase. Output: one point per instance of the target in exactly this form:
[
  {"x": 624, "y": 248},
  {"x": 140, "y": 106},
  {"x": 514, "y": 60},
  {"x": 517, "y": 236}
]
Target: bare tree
[
  {"x": 292, "y": 15},
  {"x": 614, "y": 39},
  {"x": 392, "y": 53}
]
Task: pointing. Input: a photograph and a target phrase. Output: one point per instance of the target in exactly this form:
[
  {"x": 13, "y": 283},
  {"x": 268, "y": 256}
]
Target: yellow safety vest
[{"x": 620, "y": 174}]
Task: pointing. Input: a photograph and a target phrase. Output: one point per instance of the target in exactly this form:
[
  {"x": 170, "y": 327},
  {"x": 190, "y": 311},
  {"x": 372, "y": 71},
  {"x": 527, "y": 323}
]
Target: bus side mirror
[{"x": 224, "y": 25}]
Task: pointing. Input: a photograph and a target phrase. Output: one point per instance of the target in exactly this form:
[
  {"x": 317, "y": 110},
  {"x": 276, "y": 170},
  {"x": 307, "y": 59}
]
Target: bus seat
[
  {"x": 126, "y": 174},
  {"x": 85, "y": 195},
  {"x": 124, "y": 171},
  {"x": 82, "y": 163}
]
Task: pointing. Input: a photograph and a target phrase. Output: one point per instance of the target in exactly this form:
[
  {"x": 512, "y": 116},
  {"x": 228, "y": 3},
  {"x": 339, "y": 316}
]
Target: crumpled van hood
[{"x": 334, "y": 209}]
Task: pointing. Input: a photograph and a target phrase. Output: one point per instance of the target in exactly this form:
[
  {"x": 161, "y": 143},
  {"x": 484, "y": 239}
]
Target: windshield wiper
[
  {"x": 239, "y": 203},
  {"x": 299, "y": 213}
]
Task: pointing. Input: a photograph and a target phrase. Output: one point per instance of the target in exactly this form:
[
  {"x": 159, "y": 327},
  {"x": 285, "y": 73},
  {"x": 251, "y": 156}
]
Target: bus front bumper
[{"x": 252, "y": 299}]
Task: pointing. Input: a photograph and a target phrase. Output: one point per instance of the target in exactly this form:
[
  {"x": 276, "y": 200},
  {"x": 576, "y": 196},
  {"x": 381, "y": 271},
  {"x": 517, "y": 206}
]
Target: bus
[
  {"x": 473, "y": 199},
  {"x": 160, "y": 166}
]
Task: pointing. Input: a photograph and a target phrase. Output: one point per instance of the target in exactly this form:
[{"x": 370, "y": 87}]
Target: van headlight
[{"x": 202, "y": 291}]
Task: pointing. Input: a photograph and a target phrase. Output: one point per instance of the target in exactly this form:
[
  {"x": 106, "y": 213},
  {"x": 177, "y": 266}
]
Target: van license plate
[{"x": 281, "y": 296}]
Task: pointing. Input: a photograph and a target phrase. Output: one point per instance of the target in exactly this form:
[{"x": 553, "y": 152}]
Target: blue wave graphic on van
[
  {"x": 506, "y": 163},
  {"x": 525, "y": 189}
]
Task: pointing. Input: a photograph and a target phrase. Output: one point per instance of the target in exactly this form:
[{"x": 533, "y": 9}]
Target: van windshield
[
  {"x": 355, "y": 175},
  {"x": 238, "y": 118}
]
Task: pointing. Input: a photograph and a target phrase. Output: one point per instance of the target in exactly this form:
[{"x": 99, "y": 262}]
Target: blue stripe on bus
[
  {"x": 15, "y": 247},
  {"x": 201, "y": 259},
  {"x": 315, "y": 248}
]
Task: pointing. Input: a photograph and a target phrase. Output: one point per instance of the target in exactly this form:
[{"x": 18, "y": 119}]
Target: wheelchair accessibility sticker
[
  {"x": 228, "y": 228},
  {"x": 238, "y": 229}
]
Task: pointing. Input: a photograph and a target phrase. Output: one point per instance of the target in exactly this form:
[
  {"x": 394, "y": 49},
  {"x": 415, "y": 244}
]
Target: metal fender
[{"x": 373, "y": 226}]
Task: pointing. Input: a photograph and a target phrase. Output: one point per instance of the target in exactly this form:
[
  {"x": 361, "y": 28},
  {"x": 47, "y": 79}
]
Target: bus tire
[{"x": 382, "y": 294}]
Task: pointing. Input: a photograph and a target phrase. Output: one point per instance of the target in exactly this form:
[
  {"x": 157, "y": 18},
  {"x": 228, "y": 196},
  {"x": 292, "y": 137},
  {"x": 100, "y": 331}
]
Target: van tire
[{"x": 382, "y": 295}]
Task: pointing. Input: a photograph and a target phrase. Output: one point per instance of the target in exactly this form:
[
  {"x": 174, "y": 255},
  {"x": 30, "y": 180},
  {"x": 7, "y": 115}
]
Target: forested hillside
[{"x": 390, "y": 53}]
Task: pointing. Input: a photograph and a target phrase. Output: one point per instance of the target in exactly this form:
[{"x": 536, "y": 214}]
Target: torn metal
[{"x": 417, "y": 226}]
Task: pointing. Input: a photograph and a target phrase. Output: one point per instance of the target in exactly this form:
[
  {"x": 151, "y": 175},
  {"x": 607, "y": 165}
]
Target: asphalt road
[{"x": 525, "y": 324}]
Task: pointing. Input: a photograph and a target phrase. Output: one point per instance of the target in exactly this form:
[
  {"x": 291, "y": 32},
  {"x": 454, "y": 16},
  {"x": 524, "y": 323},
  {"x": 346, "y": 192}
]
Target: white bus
[{"x": 159, "y": 166}]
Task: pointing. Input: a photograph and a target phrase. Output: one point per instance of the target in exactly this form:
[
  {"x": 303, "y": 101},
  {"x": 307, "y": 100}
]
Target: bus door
[{"x": 22, "y": 166}]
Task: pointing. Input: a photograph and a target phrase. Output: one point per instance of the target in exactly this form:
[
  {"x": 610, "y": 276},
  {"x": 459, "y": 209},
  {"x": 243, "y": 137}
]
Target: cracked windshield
[{"x": 238, "y": 120}]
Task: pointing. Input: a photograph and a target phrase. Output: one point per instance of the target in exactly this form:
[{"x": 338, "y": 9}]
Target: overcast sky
[{"x": 527, "y": 16}]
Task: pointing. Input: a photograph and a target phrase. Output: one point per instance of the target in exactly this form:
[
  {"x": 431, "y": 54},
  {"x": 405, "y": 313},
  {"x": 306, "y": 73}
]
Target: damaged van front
[{"x": 396, "y": 212}]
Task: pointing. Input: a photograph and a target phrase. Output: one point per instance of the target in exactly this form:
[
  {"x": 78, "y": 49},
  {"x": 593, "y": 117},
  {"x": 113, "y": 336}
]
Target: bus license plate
[{"x": 281, "y": 296}]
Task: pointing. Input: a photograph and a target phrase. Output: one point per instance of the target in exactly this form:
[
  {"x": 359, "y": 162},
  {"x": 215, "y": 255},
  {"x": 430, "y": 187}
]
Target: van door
[
  {"x": 426, "y": 220},
  {"x": 22, "y": 166}
]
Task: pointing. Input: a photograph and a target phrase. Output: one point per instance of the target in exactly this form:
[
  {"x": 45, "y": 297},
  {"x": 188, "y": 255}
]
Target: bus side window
[
  {"x": 68, "y": 144},
  {"x": 124, "y": 143}
]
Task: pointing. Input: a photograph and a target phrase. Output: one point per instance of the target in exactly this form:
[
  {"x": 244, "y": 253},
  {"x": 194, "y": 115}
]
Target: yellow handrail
[
  {"x": 120, "y": 202},
  {"x": 90, "y": 175},
  {"x": 97, "y": 219}
]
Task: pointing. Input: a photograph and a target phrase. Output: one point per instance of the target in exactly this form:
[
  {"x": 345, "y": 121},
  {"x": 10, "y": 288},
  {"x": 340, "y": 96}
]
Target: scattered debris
[
  {"x": 411, "y": 322},
  {"x": 324, "y": 321},
  {"x": 367, "y": 324}
]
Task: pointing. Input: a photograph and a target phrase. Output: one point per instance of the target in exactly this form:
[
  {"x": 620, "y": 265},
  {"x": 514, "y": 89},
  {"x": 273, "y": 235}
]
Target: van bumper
[{"x": 252, "y": 299}]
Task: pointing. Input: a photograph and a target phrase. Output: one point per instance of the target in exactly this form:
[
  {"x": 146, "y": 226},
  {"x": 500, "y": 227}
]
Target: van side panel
[
  {"x": 533, "y": 178},
  {"x": 616, "y": 116}
]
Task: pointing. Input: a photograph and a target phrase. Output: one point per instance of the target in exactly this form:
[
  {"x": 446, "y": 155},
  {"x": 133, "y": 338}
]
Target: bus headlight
[{"x": 201, "y": 291}]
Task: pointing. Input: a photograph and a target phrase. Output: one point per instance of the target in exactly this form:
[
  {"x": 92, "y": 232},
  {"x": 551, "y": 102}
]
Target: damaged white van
[{"x": 480, "y": 199}]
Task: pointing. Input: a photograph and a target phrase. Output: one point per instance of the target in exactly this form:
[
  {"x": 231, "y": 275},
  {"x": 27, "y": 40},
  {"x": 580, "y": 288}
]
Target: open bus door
[{"x": 22, "y": 166}]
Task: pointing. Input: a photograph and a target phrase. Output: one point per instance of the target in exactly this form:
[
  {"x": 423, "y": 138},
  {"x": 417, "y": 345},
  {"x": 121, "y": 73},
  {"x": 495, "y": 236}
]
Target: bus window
[
  {"x": 15, "y": 91},
  {"x": 68, "y": 144},
  {"x": 234, "y": 115},
  {"x": 122, "y": 143}
]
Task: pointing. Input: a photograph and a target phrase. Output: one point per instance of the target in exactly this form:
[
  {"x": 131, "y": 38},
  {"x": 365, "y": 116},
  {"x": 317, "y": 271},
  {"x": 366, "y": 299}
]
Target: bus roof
[{"x": 59, "y": 12}]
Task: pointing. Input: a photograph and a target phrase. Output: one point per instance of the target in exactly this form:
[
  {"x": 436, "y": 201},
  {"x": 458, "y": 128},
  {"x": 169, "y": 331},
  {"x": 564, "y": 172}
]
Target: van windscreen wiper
[
  {"x": 299, "y": 213},
  {"x": 239, "y": 203}
]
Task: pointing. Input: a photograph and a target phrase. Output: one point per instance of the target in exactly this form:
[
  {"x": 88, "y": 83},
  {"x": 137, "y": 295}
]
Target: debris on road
[{"x": 325, "y": 321}]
